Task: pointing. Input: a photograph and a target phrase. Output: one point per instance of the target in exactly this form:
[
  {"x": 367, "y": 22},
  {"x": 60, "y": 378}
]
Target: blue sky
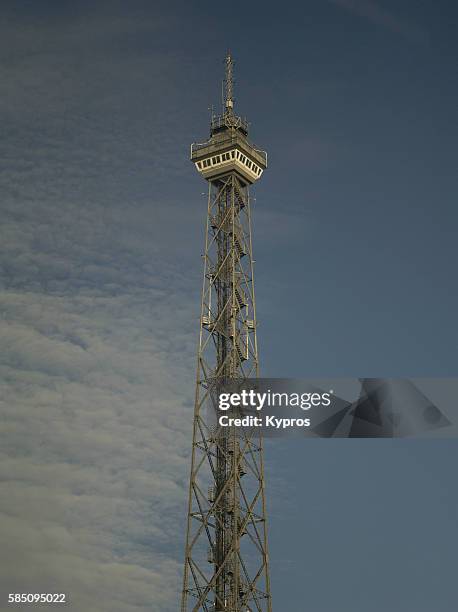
[{"x": 102, "y": 227}]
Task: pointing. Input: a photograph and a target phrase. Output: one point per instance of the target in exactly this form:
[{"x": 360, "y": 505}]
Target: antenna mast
[{"x": 229, "y": 85}]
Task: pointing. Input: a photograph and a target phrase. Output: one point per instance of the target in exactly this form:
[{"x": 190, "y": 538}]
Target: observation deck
[{"x": 228, "y": 150}]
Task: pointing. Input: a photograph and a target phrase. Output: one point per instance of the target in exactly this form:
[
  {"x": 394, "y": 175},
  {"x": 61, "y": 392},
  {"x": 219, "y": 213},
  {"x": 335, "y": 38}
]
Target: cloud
[
  {"x": 93, "y": 460},
  {"x": 376, "y": 14},
  {"x": 97, "y": 321}
]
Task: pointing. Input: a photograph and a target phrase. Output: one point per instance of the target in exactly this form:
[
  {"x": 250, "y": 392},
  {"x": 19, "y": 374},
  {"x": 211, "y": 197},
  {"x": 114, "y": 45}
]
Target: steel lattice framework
[{"x": 226, "y": 559}]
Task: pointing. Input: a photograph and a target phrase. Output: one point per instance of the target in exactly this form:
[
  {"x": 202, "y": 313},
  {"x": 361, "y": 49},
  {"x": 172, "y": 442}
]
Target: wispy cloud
[
  {"x": 96, "y": 327},
  {"x": 378, "y": 15}
]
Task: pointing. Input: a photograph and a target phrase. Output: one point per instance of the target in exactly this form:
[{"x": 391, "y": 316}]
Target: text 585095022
[{"x": 16, "y": 598}]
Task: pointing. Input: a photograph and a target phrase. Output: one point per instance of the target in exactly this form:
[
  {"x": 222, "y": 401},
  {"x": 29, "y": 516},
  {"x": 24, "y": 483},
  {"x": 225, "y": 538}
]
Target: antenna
[{"x": 229, "y": 84}]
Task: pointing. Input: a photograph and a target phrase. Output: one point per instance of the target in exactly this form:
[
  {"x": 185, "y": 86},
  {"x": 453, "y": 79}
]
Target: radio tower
[{"x": 226, "y": 560}]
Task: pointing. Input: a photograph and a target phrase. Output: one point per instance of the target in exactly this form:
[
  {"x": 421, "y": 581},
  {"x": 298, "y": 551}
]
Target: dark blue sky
[{"x": 102, "y": 230}]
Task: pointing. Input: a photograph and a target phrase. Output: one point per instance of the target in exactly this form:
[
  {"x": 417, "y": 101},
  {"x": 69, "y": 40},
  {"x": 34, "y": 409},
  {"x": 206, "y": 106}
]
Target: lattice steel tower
[{"x": 226, "y": 561}]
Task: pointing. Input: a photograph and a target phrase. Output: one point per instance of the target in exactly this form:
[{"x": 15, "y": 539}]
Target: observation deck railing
[
  {"x": 197, "y": 146},
  {"x": 221, "y": 121}
]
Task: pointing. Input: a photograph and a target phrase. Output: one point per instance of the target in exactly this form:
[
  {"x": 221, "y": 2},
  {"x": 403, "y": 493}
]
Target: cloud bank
[{"x": 96, "y": 325}]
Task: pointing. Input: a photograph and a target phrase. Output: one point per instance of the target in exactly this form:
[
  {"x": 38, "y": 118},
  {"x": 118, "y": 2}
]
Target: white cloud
[
  {"x": 95, "y": 434},
  {"x": 97, "y": 324}
]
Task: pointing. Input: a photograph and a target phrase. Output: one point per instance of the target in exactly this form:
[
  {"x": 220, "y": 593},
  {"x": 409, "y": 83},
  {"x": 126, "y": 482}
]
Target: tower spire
[{"x": 229, "y": 85}]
